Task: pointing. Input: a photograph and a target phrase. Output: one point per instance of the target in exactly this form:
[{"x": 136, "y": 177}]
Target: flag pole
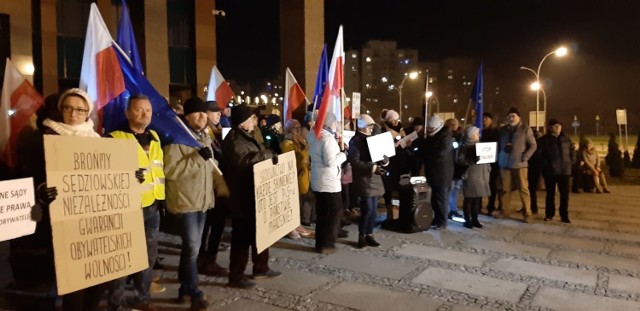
[
  {"x": 464, "y": 125},
  {"x": 342, "y": 100},
  {"x": 194, "y": 137},
  {"x": 426, "y": 102}
]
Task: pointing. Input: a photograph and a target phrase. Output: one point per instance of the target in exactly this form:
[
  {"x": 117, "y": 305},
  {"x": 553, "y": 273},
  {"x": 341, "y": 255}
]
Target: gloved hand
[
  {"x": 274, "y": 158},
  {"x": 205, "y": 153},
  {"x": 380, "y": 170},
  {"x": 47, "y": 195},
  {"x": 140, "y": 175}
]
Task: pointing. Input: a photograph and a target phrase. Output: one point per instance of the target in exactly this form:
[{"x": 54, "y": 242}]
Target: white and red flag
[
  {"x": 218, "y": 89},
  {"x": 101, "y": 75},
  {"x": 295, "y": 102},
  {"x": 20, "y": 101},
  {"x": 332, "y": 100}
]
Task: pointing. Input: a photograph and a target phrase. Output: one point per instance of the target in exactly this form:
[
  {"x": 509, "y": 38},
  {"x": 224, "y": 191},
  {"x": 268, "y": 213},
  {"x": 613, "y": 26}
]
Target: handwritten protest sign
[
  {"x": 277, "y": 201},
  {"x": 16, "y": 199},
  {"x": 96, "y": 220},
  {"x": 486, "y": 152}
]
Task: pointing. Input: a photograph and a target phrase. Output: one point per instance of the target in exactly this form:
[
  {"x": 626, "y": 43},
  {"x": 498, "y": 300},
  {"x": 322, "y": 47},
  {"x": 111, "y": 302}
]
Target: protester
[
  {"x": 192, "y": 183},
  {"x": 150, "y": 161},
  {"x": 490, "y": 133},
  {"x": 241, "y": 151},
  {"x": 534, "y": 172},
  {"x": 216, "y": 216},
  {"x": 453, "y": 126},
  {"x": 272, "y": 132},
  {"x": 592, "y": 168},
  {"x": 475, "y": 178},
  {"x": 515, "y": 147},
  {"x": 367, "y": 182},
  {"x": 326, "y": 159},
  {"x": 178, "y": 108},
  {"x": 225, "y": 118},
  {"x": 556, "y": 157},
  {"x": 414, "y": 161},
  {"x": 294, "y": 141},
  {"x": 437, "y": 152},
  {"x": 398, "y": 164}
]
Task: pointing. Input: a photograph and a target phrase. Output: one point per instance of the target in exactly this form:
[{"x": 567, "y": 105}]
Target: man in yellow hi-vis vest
[{"x": 151, "y": 173}]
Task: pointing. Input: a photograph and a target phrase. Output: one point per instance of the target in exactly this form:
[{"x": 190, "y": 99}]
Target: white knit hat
[
  {"x": 365, "y": 120},
  {"x": 77, "y": 92},
  {"x": 434, "y": 125},
  {"x": 391, "y": 115}
]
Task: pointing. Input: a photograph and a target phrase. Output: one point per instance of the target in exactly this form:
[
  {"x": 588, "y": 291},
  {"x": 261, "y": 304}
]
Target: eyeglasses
[{"x": 71, "y": 110}]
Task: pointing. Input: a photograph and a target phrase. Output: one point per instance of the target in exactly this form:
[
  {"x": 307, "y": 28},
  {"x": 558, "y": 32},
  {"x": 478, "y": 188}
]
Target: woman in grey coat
[{"x": 475, "y": 180}]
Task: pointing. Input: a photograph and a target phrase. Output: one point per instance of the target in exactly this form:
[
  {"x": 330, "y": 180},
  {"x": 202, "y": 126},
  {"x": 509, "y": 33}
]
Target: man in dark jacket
[
  {"x": 438, "y": 158},
  {"x": 490, "y": 133},
  {"x": 241, "y": 151},
  {"x": 515, "y": 147},
  {"x": 556, "y": 152},
  {"x": 367, "y": 181}
]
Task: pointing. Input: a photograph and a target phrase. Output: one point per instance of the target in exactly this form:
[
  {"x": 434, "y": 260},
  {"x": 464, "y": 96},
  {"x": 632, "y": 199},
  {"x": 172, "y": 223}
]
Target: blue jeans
[
  {"x": 142, "y": 279},
  {"x": 191, "y": 232},
  {"x": 452, "y": 202},
  {"x": 368, "y": 206}
]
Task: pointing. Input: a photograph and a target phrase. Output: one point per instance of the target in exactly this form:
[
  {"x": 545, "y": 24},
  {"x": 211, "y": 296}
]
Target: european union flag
[
  {"x": 321, "y": 80},
  {"x": 478, "y": 98},
  {"x": 126, "y": 38}
]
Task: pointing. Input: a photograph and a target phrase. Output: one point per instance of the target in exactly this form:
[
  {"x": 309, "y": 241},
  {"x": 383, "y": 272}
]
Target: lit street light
[
  {"x": 561, "y": 51},
  {"x": 412, "y": 75}
]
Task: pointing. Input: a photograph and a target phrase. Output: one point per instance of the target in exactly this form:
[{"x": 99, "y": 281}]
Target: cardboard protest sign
[
  {"x": 96, "y": 220},
  {"x": 346, "y": 136},
  {"x": 277, "y": 199},
  {"x": 381, "y": 145},
  {"x": 16, "y": 200},
  {"x": 404, "y": 142},
  {"x": 487, "y": 152}
]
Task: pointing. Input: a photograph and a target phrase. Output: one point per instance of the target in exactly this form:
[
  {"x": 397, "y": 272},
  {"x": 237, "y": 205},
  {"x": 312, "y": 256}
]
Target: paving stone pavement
[{"x": 591, "y": 264}]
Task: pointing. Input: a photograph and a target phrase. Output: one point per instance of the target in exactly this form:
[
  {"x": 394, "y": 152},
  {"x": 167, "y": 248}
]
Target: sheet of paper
[
  {"x": 487, "y": 152},
  {"x": 405, "y": 140},
  {"x": 225, "y": 131},
  {"x": 381, "y": 145}
]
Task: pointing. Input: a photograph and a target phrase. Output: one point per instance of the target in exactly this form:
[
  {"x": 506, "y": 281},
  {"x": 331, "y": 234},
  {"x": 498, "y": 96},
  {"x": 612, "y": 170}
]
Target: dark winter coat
[
  {"x": 523, "y": 145},
  {"x": 365, "y": 182},
  {"x": 437, "y": 152},
  {"x": 475, "y": 180},
  {"x": 241, "y": 151},
  {"x": 556, "y": 154}
]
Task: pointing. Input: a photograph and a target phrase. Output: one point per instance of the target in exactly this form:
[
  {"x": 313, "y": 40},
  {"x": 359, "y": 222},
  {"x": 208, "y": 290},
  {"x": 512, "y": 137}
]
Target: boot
[
  {"x": 370, "y": 241},
  {"x": 467, "y": 222},
  {"x": 475, "y": 223},
  {"x": 361, "y": 241},
  {"x": 389, "y": 212},
  {"x": 211, "y": 267}
]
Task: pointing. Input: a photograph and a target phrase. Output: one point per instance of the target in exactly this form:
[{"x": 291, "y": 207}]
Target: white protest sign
[
  {"x": 277, "y": 199},
  {"x": 621, "y": 116},
  {"x": 381, "y": 145},
  {"x": 404, "y": 142},
  {"x": 225, "y": 131},
  {"x": 540, "y": 121},
  {"x": 347, "y": 135},
  {"x": 355, "y": 105},
  {"x": 486, "y": 152},
  {"x": 96, "y": 220},
  {"x": 16, "y": 199}
]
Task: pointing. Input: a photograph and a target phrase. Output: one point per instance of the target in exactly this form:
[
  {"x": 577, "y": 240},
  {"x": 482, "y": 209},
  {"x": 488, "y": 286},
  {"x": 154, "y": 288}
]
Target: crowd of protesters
[{"x": 203, "y": 188}]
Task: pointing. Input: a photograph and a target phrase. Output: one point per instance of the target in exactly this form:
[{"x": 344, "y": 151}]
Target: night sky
[{"x": 601, "y": 73}]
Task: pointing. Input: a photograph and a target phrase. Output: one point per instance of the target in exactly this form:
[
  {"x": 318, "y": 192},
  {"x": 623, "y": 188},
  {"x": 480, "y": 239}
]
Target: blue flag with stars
[{"x": 478, "y": 98}]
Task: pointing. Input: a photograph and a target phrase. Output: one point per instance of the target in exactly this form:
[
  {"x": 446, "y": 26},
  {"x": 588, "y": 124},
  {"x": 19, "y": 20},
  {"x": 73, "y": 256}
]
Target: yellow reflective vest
[{"x": 153, "y": 185}]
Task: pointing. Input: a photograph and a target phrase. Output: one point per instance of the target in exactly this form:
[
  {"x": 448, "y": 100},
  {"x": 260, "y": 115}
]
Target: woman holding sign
[{"x": 475, "y": 179}]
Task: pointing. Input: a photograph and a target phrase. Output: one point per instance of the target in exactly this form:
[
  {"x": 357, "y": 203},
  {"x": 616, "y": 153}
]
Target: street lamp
[
  {"x": 561, "y": 51},
  {"x": 412, "y": 75}
]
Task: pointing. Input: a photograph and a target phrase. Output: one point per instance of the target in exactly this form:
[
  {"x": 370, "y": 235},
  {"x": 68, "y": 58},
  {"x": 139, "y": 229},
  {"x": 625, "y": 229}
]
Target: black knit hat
[
  {"x": 554, "y": 121},
  {"x": 194, "y": 104},
  {"x": 213, "y": 106},
  {"x": 240, "y": 114},
  {"x": 488, "y": 115},
  {"x": 514, "y": 110}
]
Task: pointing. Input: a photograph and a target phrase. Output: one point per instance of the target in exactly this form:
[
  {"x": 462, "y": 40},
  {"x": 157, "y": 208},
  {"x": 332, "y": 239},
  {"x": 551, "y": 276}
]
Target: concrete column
[
  {"x": 156, "y": 45},
  {"x": 205, "y": 43},
  {"x": 49, "y": 47},
  {"x": 21, "y": 35},
  {"x": 301, "y": 40}
]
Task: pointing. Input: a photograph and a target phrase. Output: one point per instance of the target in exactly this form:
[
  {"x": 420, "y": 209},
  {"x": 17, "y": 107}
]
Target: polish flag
[
  {"x": 295, "y": 102},
  {"x": 20, "y": 101},
  {"x": 101, "y": 75},
  {"x": 218, "y": 89},
  {"x": 331, "y": 101}
]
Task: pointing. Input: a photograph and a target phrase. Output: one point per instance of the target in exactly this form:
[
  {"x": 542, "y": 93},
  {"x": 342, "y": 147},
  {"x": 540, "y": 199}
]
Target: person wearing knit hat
[
  {"x": 195, "y": 104},
  {"x": 75, "y": 107},
  {"x": 516, "y": 145},
  {"x": 475, "y": 179},
  {"x": 367, "y": 181},
  {"x": 241, "y": 152},
  {"x": 490, "y": 133},
  {"x": 326, "y": 160},
  {"x": 272, "y": 132},
  {"x": 556, "y": 158},
  {"x": 391, "y": 116},
  {"x": 437, "y": 151}
]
